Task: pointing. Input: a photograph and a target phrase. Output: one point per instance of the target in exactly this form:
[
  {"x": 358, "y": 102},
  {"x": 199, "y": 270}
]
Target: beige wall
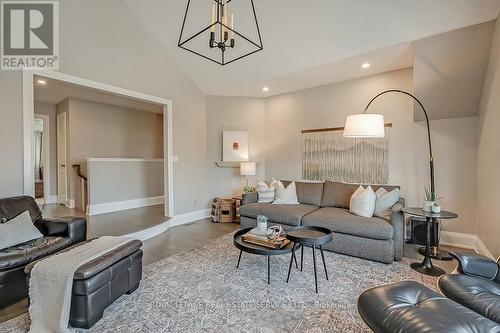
[
  {"x": 488, "y": 166},
  {"x": 104, "y": 130},
  {"x": 120, "y": 180},
  {"x": 127, "y": 55},
  {"x": 327, "y": 106},
  {"x": 50, "y": 110},
  {"x": 234, "y": 114},
  {"x": 452, "y": 64}
]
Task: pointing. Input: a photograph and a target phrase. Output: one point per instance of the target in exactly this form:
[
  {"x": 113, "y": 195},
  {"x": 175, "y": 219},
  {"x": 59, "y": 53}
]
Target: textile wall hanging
[{"x": 327, "y": 155}]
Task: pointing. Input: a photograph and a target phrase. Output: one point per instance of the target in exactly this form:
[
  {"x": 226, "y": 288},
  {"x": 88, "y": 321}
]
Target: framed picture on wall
[{"x": 234, "y": 146}]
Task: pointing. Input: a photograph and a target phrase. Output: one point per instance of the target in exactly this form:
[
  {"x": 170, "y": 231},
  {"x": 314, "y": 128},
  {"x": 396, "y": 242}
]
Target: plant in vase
[
  {"x": 430, "y": 199},
  {"x": 436, "y": 208},
  {"x": 249, "y": 188}
]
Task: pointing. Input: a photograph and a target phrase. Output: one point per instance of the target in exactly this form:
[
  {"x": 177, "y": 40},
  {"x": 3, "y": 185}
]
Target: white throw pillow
[
  {"x": 266, "y": 192},
  {"x": 363, "y": 202},
  {"x": 385, "y": 201},
  {"x": 18, "y": 230},
  {"x": 286, "y": 196}
]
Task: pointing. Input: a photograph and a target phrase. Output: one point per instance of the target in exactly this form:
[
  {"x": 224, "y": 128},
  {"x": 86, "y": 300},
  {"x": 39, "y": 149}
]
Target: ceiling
[
  {"x": 309, "y": 43},
  {"x": 54, "y": 92}
]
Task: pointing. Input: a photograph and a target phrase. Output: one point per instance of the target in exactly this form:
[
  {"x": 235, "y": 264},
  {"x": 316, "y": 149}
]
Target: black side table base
[
  {"x": 427, "y": 270},
  {"x": 441, "y": 255}
]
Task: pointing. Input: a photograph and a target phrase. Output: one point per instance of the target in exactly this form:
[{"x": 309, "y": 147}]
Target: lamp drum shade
[
  {"x": 247, "y": 169},
  {"x": 364, "y": 125}
]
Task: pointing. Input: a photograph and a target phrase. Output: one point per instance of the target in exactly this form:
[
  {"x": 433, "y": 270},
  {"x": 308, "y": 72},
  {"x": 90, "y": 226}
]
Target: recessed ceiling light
[
  {"x": 40, "y": 81},
  {"x": 365, "y": 65},
  {"x": 265, "y": 89}
]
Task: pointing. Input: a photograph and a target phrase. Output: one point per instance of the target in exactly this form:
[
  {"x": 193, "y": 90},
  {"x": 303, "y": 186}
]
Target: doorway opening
[{"x": 67, "y": 171}]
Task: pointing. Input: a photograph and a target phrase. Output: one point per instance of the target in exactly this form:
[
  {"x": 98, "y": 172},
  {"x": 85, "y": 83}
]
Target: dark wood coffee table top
[
  {"x": 257, "y": 249},
  {"x": 309, "y": 235},
  {"x": 417, "y": 211}
]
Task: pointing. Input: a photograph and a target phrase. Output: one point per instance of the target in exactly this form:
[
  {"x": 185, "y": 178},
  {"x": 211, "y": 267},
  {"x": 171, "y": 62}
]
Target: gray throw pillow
[{"x": 18, "y": 230}]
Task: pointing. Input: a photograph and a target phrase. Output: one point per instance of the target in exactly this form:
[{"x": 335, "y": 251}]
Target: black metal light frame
[
  {"x": 431, "y": 157},
  {"x": 223, "y": 61}
]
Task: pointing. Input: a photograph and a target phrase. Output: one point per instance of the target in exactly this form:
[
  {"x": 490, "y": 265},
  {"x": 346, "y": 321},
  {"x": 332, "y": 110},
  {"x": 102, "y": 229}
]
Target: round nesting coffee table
[
  {"x": 259, "y": 250},
  {"x": 310, "y": 236}
]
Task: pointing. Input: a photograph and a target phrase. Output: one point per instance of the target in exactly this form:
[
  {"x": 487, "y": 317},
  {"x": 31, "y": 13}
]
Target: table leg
[
  {"x": 315, "y": 275},
  {"x": 268, "y": 269},
  {"x": 426, "y": 267},
  {"x": 239, "y": 258},
  {"x": 295, "y": 258},
  {"x": 301, "y": 257},
  {"x": 324, "y": 262},
  {"x": 291, "y": 262}
]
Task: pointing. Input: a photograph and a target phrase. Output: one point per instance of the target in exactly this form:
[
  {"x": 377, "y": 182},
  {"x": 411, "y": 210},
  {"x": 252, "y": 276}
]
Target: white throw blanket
[{"x": 51, "y": 282}]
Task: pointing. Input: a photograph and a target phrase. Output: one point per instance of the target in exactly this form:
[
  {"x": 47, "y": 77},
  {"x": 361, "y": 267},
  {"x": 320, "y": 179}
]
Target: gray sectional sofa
[{"x": 327, "y": 204}]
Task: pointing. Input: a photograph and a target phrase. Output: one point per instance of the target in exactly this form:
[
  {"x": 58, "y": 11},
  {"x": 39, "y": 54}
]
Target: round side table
[
  {"x": 426, "y": 267},
  {"x": 311, "y": 236}
]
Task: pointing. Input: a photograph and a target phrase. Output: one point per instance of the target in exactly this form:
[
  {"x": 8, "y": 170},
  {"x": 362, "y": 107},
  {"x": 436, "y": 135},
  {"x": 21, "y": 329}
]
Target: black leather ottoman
[
  {"x": 98, "y": 283},
  {"x": 411, "y": 307}
]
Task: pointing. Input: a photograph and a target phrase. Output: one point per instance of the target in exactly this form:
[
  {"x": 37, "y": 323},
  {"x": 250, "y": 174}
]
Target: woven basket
[{"x": 222, "y": 210}]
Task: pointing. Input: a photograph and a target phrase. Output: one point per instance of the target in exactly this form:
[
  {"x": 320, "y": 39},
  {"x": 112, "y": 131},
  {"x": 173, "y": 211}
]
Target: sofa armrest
[
  {"x": 398, "y": 223},
  {"x": 250, "y": 197},
  {"x": 476, "y": 265},
  {"x": 75, "y": 228}
]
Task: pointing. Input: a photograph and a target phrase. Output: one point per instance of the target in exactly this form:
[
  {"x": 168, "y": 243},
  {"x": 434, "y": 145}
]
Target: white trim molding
[
  {"x": 172, "y": 222},
  {"x": 108, "y": 207},
  {"x": 113, "y": 159},
  {"x": 189, "y": 217},
  {"x": 28, "y": 113},
  {"x": 467, "y": 241}
]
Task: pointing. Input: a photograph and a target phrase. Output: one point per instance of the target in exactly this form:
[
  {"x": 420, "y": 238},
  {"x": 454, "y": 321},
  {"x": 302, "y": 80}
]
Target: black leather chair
[
  {"x": 475, "y": 284},
  {"x": 59, "y": 233},
  {"x": 409, "y": 306}
]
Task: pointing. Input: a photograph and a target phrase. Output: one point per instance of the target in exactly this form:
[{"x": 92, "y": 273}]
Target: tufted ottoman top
[{"x": 411, "y": 307}]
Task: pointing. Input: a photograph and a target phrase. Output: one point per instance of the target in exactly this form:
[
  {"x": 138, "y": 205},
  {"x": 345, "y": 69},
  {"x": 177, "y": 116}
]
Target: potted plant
[
  {"x": 249, "y": 188},
  {"x": 436, "y": 208},
  {"x": 430, "y": 199}
]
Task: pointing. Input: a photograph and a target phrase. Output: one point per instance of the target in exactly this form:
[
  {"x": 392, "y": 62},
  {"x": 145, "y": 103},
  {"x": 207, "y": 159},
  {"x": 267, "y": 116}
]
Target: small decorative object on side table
[{"x": 426, "y": 267}]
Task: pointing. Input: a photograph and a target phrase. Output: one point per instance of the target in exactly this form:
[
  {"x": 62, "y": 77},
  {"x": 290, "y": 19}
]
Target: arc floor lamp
[{"x": 367, "y": 125}]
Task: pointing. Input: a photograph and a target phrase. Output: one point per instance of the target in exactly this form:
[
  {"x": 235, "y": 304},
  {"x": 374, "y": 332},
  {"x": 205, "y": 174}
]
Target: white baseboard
[
  {"x": 51, "y": 199},
  {"x": 467, "y": 241},
  {"x": 189, "y": 217},
  {"x": 71, "y": 203},
  {"x": 109, "y": 207},
  {"x": 174, "y": 221}
]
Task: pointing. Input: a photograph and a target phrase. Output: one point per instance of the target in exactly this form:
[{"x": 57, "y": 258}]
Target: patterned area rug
[{"x": 201, "y": 290}]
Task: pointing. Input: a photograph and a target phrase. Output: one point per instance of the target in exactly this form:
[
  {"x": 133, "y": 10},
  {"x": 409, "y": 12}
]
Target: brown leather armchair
[{"x": 58, "y": 233}]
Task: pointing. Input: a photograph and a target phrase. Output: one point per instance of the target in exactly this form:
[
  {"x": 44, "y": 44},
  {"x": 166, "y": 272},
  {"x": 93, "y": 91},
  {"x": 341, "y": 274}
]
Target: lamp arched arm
[{"x": 431, "y": 158}]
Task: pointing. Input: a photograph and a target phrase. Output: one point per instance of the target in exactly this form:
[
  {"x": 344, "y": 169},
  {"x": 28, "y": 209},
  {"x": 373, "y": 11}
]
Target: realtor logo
[{"x": 30, "y": 35}]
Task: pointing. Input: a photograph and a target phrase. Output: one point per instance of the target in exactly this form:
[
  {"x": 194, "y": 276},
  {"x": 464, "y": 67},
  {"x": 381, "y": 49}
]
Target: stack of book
[{"x": 258, "y": 237}]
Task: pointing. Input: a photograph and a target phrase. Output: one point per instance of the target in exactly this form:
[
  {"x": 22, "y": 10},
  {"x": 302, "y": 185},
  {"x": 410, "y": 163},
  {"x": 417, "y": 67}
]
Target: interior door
[{"x": 62, "y": 178}]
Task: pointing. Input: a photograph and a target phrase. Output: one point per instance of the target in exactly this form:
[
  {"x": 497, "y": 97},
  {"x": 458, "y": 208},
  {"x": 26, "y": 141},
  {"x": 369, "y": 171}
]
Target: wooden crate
[{"x": 222, "y": 210}]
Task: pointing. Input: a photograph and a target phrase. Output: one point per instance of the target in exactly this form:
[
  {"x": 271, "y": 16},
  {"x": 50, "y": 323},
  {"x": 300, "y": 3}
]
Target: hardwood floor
[{"x": 112, "y": 224}]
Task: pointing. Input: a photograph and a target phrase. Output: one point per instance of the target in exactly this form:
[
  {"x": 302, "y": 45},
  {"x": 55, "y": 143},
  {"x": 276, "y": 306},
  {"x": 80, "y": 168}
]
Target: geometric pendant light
[{"x": 220, "y": 41}]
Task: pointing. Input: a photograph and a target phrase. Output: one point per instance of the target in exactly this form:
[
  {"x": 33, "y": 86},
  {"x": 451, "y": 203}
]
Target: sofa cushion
[
  {"x": 286, "y": 214},
  {"x": 477, "y": 294},
  {"x": 17, "y": 231},
  {"x": 22, "y": 254},
  {"x": 308, "y": 193},
  {"x": 339, "y": 220},
  {"x": 336, "y": 194}
]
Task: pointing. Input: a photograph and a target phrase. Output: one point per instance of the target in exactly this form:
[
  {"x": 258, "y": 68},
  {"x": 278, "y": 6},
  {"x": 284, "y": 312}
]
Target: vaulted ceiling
[{"x": 309, "y": 43}]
